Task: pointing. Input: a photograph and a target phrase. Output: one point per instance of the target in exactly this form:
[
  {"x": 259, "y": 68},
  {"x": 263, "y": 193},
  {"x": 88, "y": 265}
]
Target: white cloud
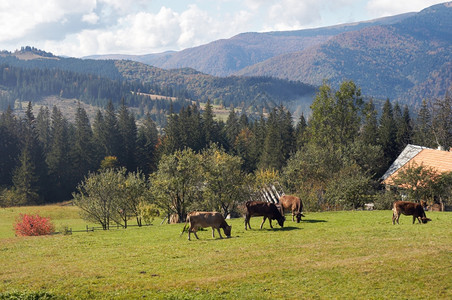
[{"x": 91, "y": 18}]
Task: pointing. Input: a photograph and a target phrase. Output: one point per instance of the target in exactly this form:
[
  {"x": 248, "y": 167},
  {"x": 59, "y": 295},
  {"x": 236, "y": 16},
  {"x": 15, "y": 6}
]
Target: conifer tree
[
  {"x": 9, "y": 146},
  {"x": 423, "y": 134},
  {"x": 147, "y": 142},
  {"x": 128, "y": 131},
  {"x": 300, "y": 132},
  {"x": 99, "y": 136},
  {"x": 30, "y": 175},
  {"x": 58, "y": 158},
  {"x": 232, "y": 128},
  {"x": 43, "y": 128},
  {"x": 209, "y": 126},
  {"x": 404, "y": 129},
  {"x": 387, "y": 132},
  {"x": 369, "y": 130},
  {"x": 83, "y": 154}
]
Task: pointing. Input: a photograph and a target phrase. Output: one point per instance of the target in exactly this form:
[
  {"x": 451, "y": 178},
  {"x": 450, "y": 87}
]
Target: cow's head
[
  {"x": 425, "y": 220},
  {"x": 227, "y": 230},
  {"x": 281, "y": 220},
  {"x": 298, "y": 216}
]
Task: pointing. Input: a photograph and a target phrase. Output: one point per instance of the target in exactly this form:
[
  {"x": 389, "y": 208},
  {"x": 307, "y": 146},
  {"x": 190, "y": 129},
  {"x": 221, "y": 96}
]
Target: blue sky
[{"x": 84, "y": 27}]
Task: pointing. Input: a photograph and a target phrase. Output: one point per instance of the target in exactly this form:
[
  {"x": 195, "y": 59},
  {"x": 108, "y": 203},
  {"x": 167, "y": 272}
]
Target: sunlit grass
[{"x": 354, "y": 254}]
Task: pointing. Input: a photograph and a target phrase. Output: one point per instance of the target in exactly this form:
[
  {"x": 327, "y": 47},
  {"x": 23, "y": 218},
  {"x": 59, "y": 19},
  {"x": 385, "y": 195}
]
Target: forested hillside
[
  {"x": 31, "y": 74},
  {"x": 406, "y": 61}
]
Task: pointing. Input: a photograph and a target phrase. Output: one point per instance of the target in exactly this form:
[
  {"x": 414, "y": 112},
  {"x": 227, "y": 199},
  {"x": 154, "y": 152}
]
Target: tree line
[
  {"x": 332, "y": 159},
  {"x": 34, "y": 84}
]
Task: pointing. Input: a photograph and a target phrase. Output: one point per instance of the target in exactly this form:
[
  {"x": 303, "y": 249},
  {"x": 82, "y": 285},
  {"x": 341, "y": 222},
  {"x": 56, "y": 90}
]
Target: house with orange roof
[{"x": 435, "y": 159}]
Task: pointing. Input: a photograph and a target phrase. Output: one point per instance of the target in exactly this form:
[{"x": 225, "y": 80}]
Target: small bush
[
  {"x": 385, "y": 199},
  {"x": 29, "y": 225}
]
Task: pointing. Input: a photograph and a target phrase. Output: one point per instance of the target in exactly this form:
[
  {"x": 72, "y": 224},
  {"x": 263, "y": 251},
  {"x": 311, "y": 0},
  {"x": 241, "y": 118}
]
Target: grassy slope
[{"x": 329, "y": 255}]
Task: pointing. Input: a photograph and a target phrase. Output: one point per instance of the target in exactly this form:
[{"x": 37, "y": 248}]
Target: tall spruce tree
[
  {"x": 30, "y": 176},
  {"x": 300, "y": 132},
  {"x": 147, "y": 142},
  {"x": 387, "y": 132},
  {"x": 9, "y": 146},
  {"x": 232, "y": 128},
  {"x": 423, "y": 134},
  {"x": 369, "y": 129},
  {"x": 58, "y": 158},
  {"x": 43, "y": 128},
  {"x": 83, "y": 154},
  {"x": 128, "y": 131},
  {"x": 404, "y": 128}
]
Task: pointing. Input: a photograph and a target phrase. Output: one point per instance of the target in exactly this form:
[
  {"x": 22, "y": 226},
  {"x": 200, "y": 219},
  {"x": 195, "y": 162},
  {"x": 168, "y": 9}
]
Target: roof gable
[{"x": 436, "y": 159}]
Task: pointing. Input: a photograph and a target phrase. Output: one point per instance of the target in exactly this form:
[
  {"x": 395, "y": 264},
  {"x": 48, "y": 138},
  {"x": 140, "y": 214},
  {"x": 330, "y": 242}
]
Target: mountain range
[{"x": 405, "y": 57}]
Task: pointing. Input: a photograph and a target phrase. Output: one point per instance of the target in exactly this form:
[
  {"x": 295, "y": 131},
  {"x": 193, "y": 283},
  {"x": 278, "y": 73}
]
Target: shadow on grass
[{"x": 312, "y": 221}]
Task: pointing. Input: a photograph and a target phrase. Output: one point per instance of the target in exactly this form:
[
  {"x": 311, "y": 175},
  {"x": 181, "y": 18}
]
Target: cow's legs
[
  {"x": 247, "y": 221},
  {"x": 264, "y": 221},
  {"x": 395, "y": 217},
  {"x": 270, "y": 221},
  {"x": 293, "y": 216},
  {"x": 213, "y": 232},
  {"x": 219, "y": 232}
]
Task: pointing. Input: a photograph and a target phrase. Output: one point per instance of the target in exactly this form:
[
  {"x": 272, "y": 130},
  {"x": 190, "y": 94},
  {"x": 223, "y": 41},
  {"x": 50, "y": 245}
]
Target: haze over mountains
[{"x": 405, "y": 57}]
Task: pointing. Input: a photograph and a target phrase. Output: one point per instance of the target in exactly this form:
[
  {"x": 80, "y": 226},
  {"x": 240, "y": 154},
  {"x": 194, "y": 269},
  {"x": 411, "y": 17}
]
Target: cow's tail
[{"x": 185, "y": 226}]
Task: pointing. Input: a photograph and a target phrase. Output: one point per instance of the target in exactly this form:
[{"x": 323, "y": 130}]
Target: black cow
[{"x": 265, "y": 209}]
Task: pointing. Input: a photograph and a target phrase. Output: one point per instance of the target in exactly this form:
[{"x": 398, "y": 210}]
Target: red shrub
[{"x": 29, "y": 225}]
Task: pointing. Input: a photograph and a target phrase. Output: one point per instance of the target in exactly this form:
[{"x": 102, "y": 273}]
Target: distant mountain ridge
[
  {"x": 405, "y": 61},
  {"x": 404, "y": 58},
  {"x": 227, "y": 56}
]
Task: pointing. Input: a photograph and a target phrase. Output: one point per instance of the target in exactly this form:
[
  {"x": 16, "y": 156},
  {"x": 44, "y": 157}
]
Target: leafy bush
[
  {"x": 29, "y": 225},
  {"x": 385, "y": 199}
]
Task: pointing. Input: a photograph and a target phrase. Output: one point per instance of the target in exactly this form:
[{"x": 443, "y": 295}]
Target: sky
[{"x": 80, "y": 28}]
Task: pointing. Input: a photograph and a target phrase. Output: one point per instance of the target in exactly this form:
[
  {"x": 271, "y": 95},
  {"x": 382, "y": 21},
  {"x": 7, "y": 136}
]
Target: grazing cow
[
  {"x": 408, "y": 209},
  {"x": 265, "y": 209},
  {"x": 294, "y": 204},
  {"x": 204, "y": 219}
]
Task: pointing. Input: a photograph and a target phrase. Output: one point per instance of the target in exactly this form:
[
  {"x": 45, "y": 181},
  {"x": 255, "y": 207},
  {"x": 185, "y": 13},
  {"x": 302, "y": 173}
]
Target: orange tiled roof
[{"x": 436, "y": 159}]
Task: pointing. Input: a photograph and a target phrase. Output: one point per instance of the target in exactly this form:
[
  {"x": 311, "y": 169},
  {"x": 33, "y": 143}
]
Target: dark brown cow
[
  {"x": 265, "y": 209},
  {"x": 294, "y": 204},
  {"x": 409, "y": 209},
  {"x": 202, "y": 219}
]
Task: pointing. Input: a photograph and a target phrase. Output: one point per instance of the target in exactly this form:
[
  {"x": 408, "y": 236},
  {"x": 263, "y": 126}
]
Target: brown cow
[
  {"x": 204, "y": 219},
  {"x": 265, "y": 209},
  {"x": 294, "y": 204},
  {"x": 408, "y": 209}
]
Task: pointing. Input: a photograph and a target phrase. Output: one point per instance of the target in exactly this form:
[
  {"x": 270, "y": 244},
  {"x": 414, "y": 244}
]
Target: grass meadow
[{"x": 329, "y": 255}]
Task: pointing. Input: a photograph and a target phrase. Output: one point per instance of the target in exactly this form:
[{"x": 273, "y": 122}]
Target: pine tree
[
  {"x": 128, "y": 131},
  {"x": 423, "y": 134},
  {"x": 387, "y": 131},
  {"x": 58, "y": 158},
  {"x": 232, "y": 128},
  {"x": 369, "y": 130},
  {"x": 9, "y": 146},
  {"x": 111, "y": 139},
  {"x": 43, "y": 128},
  {"x": 99, "y": 137},
  {"x": 147, "y": 144},
  {"x": 30, "y": 175},
  {"x": 209, "y": 126},
  {"x": 404, "y": 128},
  {"x": 301, "y": 133},
  {"x": 83, "y": 151}
]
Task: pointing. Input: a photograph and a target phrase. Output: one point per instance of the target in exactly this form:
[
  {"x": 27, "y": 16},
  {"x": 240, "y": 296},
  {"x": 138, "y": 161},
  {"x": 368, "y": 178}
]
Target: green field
[{"x": 342, "y": 255}]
